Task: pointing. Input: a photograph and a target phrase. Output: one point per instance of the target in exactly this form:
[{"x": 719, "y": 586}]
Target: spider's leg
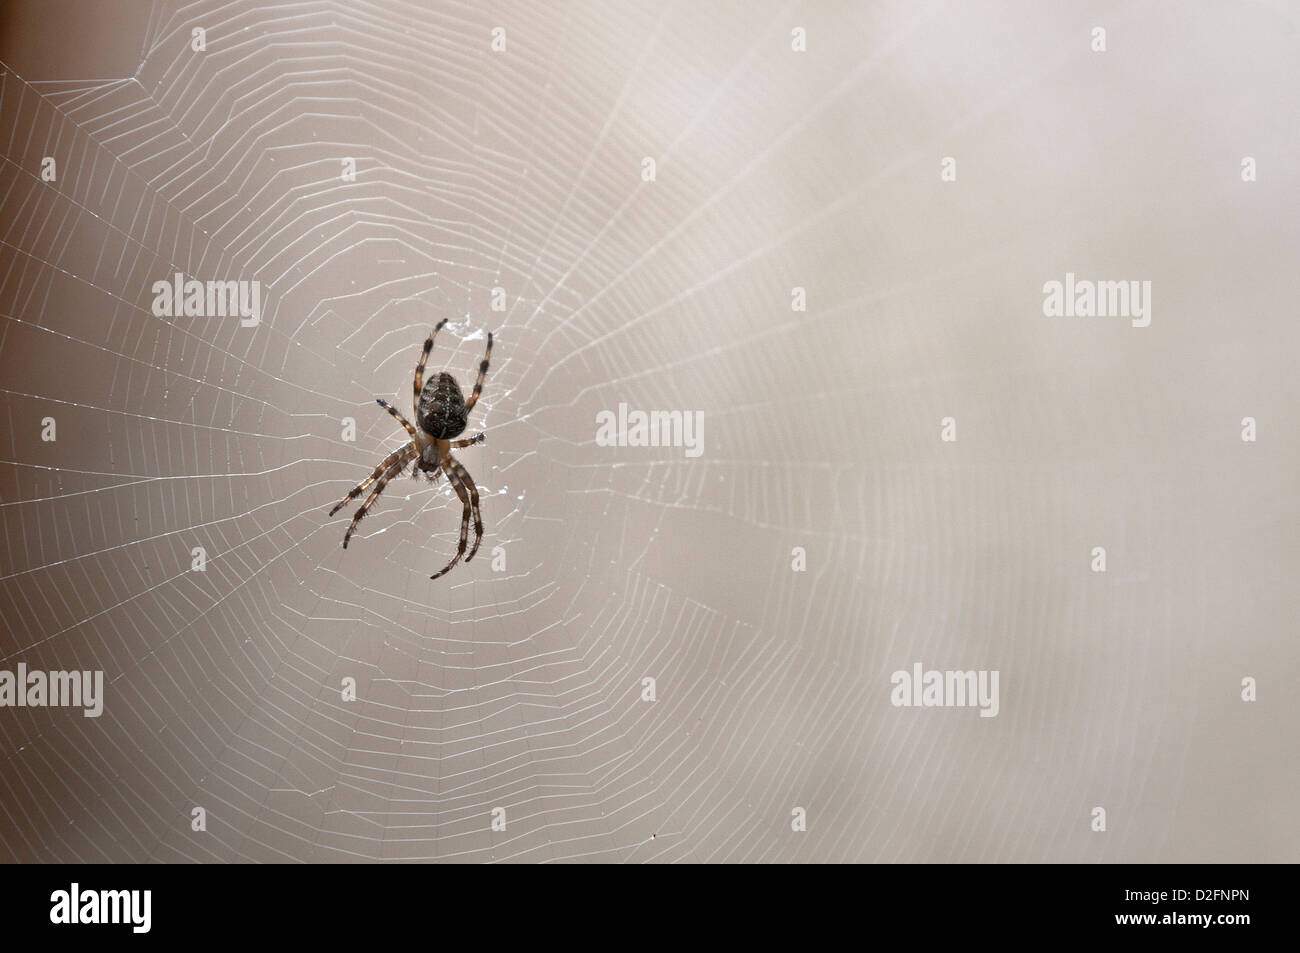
[
  {"x": 464, "y": 522},
  {"x": 379, "y": 471},
  {"x": 398, "y": 414},
  {"x": 419, "y": 368},
  {"x": 477, "y": 438},
  {"x": 391, "y": 472},
  {"x": 482, "y": 373},
  {"x": 463, "y": 475}
]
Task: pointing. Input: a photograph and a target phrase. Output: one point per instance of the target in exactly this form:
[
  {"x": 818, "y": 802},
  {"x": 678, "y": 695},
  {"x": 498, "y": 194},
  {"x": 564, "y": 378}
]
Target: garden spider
[{"x": 441, "y": 412}]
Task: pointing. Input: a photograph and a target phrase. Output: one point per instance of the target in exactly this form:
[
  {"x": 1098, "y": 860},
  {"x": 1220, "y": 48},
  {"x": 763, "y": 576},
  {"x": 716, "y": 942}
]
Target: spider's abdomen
[{"x": 442, "y": 408}]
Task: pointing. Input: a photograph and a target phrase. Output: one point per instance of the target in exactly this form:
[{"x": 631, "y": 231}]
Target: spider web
[{"x": 516, "y": 682}]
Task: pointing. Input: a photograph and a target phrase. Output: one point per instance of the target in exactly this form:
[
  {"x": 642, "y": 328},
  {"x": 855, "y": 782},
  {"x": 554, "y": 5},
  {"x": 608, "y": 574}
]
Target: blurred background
[{"x": 501, "y": 182}]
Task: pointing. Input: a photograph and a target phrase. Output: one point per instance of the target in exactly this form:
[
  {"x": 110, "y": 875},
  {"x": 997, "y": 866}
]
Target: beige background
[{"x": 521, "y": 688}]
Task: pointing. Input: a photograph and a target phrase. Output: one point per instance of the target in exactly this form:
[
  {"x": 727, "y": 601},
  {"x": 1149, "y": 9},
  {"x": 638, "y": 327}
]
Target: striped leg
[
  {"x": 397, "y": 414},
  {"x": 482, "y": 373},
  {"x": 419, "y": 368},
  {"x": 477, "y": 438},
  {"x": 463, "y": 475},
  {"x": 360, "y": 488},
  {"x": 391, "y": 472},
  {"x": 464, "y": 522}
]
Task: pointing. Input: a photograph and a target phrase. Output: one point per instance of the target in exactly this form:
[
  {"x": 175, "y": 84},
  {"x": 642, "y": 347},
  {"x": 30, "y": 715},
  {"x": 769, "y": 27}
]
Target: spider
[{"x": 441, "y": 412}]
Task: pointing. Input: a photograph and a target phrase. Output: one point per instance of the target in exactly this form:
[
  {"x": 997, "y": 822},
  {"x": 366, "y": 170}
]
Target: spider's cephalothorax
[{"x": 441, "y": 412}]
